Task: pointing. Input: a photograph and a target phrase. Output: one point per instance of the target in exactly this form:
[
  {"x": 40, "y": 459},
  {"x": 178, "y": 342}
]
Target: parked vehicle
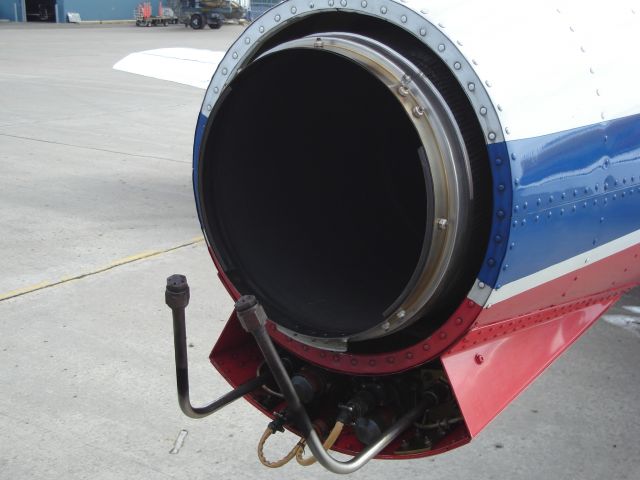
[{"x": 198, "y": 13}]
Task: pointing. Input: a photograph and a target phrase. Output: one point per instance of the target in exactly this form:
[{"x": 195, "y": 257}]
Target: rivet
[
  {"x": 498, "y": 238},
  {"x": 294, "y": 10},
  {"x": 247, "y": 40},
  {"x": 343, "y": 3},
  {"x": 409, "y": 355},
  {"x": 385, "y": 326},
  {"x": 471, "y": 86},
  {"x": 501, "y": 187},
  {"x": 525, "y": 205},
  {"x": 216, "y": 89},
  {"x": 459, "y": 321},
  {"x": 523, "y": 222},
  {"x": 383, "y": 10},
  {"x": 235, "y": 55},
  {"x": 492, "y": 136},
  {"x": 500, "y": 213},
  {"x": 442, "y": 223},
  {"x": 498, "y": 161},
  {"x": 491, "y": 262},
  {"x": 562, "y": 211},
  {"x": 401, "y": 314},
  {"x": 513, "y": 156},
  {"x": 441, "y": 47},
  {"x": 261, "y": 29},
  {"x": 372, "y": 363},
  {"x": 601, "y": 219},
  {"x": 481, "y": 285},
  {"x": 224, "y": 71},
  {"x": 479, "y": 358},
  {"x": 312, "y": 5},
  {"x": 441, "y": 25},
  {"x": 423, "y": 31},
  {"x": 277, "y": 17},
  {"x": 537, "y": 218},
  {"x": 550, "y": 198},
  {"x": 487, "y": 83},
  {"x": 363, "y": 4},
  {"x": 549, "y": 214},
  {"x": 515, "y": 223},
  {"x": 442, "y": 335},
  {"x": 505, "y": 267},
  {"x": 391, "y": 359},
  {"x": 483, "y": 110},
  {"x": 209, "y": 107},
  {"x": 499, "y": 107},
  {"x": 418, "y": 111},
  {"x": 516, "y": 209},
  {"x": 591, "y": 70},
  {"x": 403, "y": 19},
  {"x": 426, "y": 346},
  {"x": 424, "y": 11},
  {"x": 507, "y": 131},
  {"x": 512, "y": 245}
]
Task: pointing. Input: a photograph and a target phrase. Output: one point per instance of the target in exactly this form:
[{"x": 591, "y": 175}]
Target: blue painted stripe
[
  {"x": 573, "y": 191},
  {"x": 197, "y": 146},
  {"x": 502, "y": 201}
]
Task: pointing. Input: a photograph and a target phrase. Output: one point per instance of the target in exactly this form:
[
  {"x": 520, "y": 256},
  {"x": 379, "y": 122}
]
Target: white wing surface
[{"x": 189, "y": 66}]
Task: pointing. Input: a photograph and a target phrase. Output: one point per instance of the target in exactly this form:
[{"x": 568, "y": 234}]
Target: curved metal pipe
[
  {"x": 253, "y": 319},
  {"x": 177, "y": 298}
]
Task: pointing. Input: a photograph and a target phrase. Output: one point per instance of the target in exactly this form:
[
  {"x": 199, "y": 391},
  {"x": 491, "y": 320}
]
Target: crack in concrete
[
  {"x": 95, "y": 149},
  {"x": 117, "y": 263}
]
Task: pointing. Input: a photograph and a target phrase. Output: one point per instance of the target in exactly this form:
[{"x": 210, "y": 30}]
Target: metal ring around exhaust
[{"x": 443, "y": 153}]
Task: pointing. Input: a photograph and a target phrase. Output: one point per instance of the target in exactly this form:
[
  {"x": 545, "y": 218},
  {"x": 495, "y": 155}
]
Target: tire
[
  {"x": 215, "y": 25},
  {"x": 196, "y": 22}
]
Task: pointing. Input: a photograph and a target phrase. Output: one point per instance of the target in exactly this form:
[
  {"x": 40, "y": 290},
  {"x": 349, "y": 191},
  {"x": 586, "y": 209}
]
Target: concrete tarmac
[{"x": 97, "y": 210}]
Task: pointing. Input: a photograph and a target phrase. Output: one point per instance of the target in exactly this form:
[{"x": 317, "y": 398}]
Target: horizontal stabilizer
[{"x": 189, "y": 66}]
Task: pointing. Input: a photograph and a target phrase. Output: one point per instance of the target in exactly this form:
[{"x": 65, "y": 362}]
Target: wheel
[
  {"x": 196, "y": 22},
  {"x": 215, "y": 25}
]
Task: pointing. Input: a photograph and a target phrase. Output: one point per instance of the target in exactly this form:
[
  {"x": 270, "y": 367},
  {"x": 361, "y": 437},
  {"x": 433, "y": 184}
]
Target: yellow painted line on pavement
[{"x": 116, "y": 263}]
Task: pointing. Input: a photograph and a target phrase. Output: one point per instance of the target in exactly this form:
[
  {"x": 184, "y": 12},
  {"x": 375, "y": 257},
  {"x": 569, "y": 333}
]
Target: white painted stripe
[{"x": 567, "y": 266}]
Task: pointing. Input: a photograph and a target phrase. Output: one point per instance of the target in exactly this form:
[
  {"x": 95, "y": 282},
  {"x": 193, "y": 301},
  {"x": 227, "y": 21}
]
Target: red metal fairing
[{"x": 515, "y": 340}]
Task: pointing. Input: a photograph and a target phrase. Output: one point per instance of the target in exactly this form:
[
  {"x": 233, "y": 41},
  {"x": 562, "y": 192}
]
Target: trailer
[{"x": 143, "y": 15}]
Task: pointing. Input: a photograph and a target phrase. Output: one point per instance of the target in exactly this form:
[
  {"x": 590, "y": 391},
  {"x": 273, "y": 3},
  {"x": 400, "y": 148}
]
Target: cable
[
  {"x": 328, "y": 443},
  {"x": 284, "y": 460}
]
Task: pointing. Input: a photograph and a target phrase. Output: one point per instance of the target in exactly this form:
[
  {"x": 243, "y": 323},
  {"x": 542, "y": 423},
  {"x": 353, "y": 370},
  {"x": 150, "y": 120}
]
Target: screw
[
  {"x": 479, "y": 359},
  {"x": 418, "y": 111}
]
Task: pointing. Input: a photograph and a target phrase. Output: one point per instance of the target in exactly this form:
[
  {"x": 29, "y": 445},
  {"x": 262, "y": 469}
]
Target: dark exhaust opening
[{"x": 313, "y": 192}]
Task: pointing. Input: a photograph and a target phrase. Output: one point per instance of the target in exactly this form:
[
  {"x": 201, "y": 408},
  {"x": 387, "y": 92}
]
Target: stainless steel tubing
[{"x": 253, "y": 319}]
